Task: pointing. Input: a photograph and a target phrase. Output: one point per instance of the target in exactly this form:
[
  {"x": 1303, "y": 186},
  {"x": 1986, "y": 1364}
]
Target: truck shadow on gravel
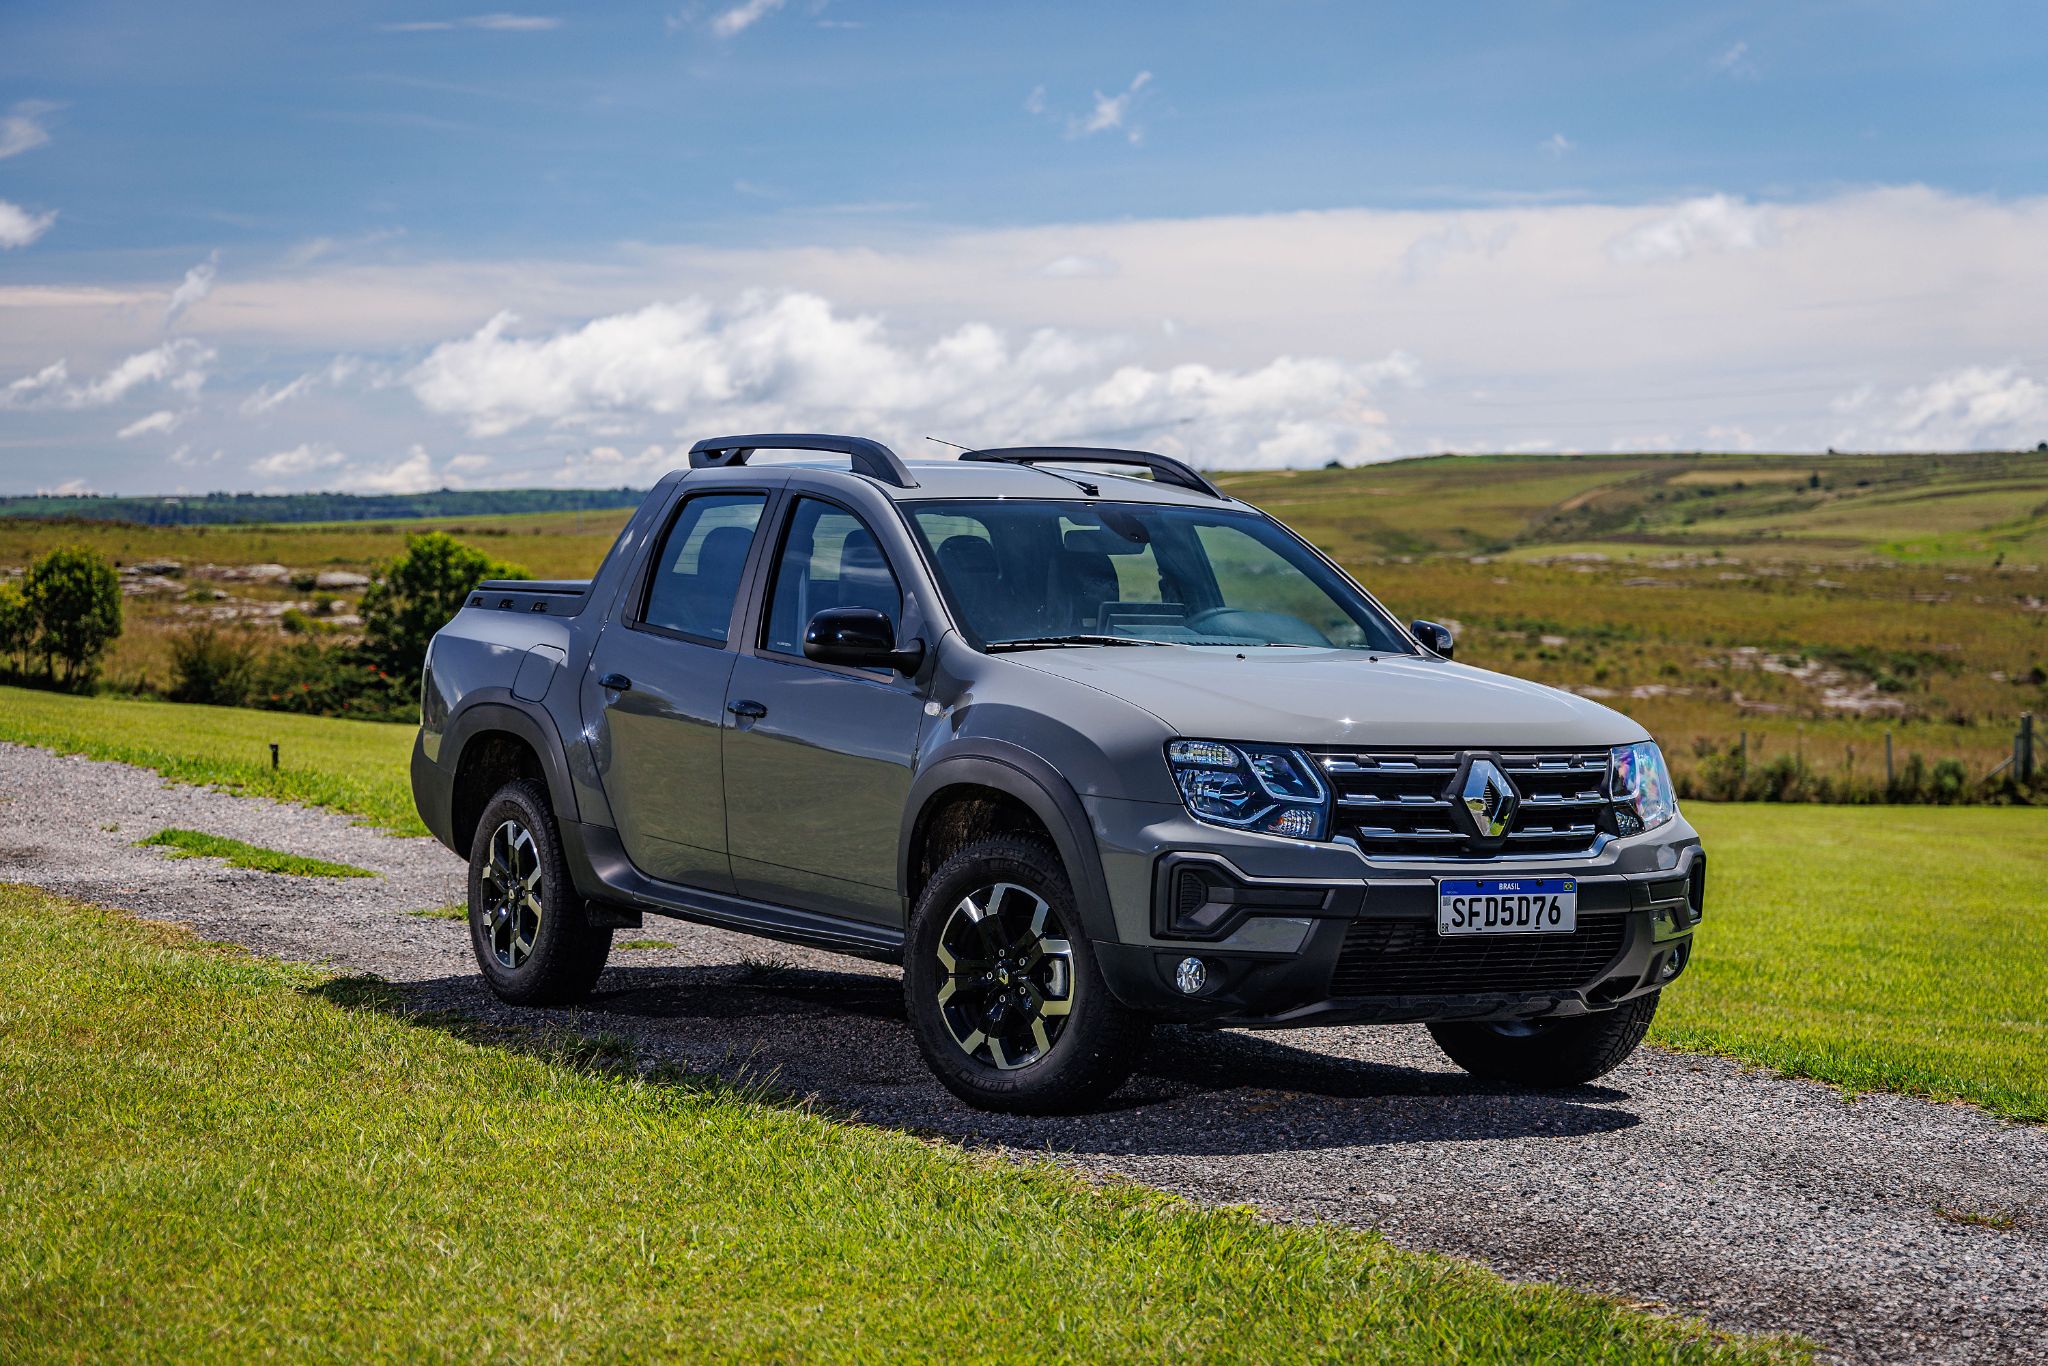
[{"x": 837, "y": 1042}]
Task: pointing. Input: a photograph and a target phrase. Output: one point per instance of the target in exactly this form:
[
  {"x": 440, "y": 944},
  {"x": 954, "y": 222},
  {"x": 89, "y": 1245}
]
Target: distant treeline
[{"x": 229, "y": 508}]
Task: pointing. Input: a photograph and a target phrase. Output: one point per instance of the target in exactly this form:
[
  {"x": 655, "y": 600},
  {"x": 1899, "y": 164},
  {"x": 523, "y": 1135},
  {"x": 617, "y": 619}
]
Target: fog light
[{"x": 1190, "y": 975}]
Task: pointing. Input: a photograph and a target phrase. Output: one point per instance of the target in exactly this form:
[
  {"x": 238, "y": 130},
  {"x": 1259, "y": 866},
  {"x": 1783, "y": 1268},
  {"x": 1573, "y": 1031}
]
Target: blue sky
[{"x": 386, "y": 246}]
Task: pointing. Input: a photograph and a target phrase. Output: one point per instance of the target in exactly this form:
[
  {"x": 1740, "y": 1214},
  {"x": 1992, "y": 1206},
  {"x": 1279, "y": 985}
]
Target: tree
[
  {"x": 415, "y": 595},
  {"x": 75, "y": 598},
  {"x": 17, "y": 626}
]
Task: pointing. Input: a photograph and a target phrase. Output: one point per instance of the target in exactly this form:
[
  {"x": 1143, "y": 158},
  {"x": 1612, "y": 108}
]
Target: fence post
[
  {"x": 1745, "y": 754},
  {"x": 273, "y": 755},
  {"x": 2023, "y": 749},
  {"x": 1888, "y": 780}
]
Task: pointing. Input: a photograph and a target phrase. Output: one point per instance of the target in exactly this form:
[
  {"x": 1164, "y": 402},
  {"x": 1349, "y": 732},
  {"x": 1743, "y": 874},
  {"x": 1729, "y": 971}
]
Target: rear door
[
  {"x": 654, "y": 695},
  {"x": 817, "y": 757}
]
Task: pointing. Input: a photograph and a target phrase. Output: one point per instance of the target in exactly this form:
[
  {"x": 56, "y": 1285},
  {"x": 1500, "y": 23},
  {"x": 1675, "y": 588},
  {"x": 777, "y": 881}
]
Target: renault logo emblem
[{"x": 1489, "y": 799}]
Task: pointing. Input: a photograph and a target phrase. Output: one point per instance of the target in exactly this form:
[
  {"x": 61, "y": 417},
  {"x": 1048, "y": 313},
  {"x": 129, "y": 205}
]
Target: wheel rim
[
  {"x": 1006, "y": 985},
  {"x": 512, "y": 906}
]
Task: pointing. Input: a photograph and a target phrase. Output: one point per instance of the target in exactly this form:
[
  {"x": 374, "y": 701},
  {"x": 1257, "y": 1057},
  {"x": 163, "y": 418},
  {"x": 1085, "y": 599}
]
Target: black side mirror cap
[
  {"x": 859, "y": 638},
  {"x": 1434, "y": 637}
]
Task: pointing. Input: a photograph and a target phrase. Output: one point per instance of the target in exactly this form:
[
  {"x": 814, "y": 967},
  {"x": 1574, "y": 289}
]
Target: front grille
[
  {"x": 1398, "y": 803},
  {"x": 1409, "y": 958}
]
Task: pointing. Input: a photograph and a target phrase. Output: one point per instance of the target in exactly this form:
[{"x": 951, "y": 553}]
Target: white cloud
[
  {"x": 307, "y": 458},
  {"x": 197, "y": 284},
  {"x": 1715, "y": 222},
  {"x": 26, "y": 390},
  {"x": 19, "y": 227},
  {"x": 414, "y": 474},
  {"x": 21, "y": 128},
  {"x": 162, "y": 420},
  {"x": 1113, "y": 112},
  {"x": 498, "y": 23},
  {"x": 778, "y": 360},
  {"x": 178, "y": 365},
  {"x": 1734, "y": 63},
  {"x": 1975, "y": 407},
  {"x": 1557, "y": 146},
  {"x": 732, "y": 22},
  {"x": 265, "y": 398},
  {"x": 1076, "y": 267},
  {"x": 1034, "y": 103}
]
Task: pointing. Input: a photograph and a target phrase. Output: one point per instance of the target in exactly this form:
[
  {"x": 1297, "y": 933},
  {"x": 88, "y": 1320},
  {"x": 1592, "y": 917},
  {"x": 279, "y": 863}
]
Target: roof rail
[
  {"x": 1165, "y": 469},
  {"x": 871, "y": 458}
]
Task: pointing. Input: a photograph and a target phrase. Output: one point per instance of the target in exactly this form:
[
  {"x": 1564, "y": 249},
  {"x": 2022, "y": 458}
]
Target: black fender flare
[
  {"x": 499, "y": 710},
  {"x": 1017, "y": 772}
]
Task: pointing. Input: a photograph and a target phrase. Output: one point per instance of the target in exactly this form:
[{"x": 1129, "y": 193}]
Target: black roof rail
[
  {"x": 1165, "y": 469},
  {"x": 871, "y": 458}
]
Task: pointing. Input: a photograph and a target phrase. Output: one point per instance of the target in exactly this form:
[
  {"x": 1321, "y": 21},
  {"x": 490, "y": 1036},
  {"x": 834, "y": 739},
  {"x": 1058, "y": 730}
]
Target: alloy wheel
[
  {"x": 1007, "y": 975},
  {"x": 512, "y": 906}
]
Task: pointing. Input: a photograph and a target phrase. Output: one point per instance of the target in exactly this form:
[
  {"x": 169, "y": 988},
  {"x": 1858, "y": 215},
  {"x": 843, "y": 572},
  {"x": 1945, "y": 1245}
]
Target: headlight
[
  {"x": 1642, "y": 788},
  {"x": 1266, "y": 788}
]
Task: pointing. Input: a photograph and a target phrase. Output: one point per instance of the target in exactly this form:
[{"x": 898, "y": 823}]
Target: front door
[
  {"x": 655, "y": 693},
  {"x": 818, "y": 758}
]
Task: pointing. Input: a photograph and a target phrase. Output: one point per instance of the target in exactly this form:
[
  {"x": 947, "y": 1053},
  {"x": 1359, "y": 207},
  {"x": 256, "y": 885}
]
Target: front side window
[
  {"x": 829, "y": 559},
  {"x": 1018, "y": 570},
  {"x": 697, "y": 573}
]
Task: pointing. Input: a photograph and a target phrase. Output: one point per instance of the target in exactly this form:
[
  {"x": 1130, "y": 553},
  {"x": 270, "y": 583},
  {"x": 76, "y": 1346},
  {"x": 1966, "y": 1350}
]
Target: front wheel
[
  {"x": 532, "y": 940},
  {"x": 1568, "y": 1052},
  {"x": 1004, "y": 996}
]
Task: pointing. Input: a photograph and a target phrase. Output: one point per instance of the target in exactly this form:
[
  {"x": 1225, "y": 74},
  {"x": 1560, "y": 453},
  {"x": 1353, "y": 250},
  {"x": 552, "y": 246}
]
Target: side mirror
[
  {"x": 1435, "y": 638},
  {"x": 859, "y": 638}
]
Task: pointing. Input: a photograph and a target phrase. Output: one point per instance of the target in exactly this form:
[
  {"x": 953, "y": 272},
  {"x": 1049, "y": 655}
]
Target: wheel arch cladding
[
  {"x": 496, "y": 745},
  {"x": 964, "y": 797}
]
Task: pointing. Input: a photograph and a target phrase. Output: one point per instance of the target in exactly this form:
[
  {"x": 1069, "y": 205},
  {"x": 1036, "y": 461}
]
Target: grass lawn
[
  {"x": 199, "y": 844},
  {"x": 1893, "y": 948},
  {"x": 213, "y": 1157},
  {"x": 360, "y": 767},
  {"x": 1879, "y": 948}
]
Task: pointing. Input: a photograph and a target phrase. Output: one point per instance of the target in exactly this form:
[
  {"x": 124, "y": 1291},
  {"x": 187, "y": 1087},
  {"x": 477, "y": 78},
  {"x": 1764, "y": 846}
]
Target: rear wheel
[
  {"x": 1568, "y": 1052},
  {"x": 526, "y": 923},
  {"x": 1001, "y": 985}
]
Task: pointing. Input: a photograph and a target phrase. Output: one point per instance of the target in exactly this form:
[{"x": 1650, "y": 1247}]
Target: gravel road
[{"x": 1764, "y": 1204}]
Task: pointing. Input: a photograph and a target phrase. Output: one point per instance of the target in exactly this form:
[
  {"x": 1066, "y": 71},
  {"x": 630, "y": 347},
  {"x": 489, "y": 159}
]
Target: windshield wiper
[{"x": 1053, "y": 642}]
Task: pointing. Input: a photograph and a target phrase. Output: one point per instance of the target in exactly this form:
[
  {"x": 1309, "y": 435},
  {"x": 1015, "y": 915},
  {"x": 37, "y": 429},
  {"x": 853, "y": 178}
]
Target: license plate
[{"x": 1517, "y": 905}]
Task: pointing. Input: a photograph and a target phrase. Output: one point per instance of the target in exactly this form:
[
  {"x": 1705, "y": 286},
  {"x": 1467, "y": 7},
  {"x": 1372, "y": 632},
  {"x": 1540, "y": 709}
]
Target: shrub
[
  {"x": 416, "y": 594},
  {"x": 213, "y": 666},
  {"x": 17, "y": 626},
  {"x": 75, "y": 598},
  {"x": 320, "y": 680}
]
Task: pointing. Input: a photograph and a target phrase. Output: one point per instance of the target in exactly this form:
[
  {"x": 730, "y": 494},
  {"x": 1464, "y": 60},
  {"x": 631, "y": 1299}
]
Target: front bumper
[{"x": 1301, "y": 933}]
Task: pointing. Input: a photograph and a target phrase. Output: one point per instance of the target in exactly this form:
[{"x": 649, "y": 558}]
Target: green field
[
  {"x": 1815, "y": 604},
  {"x": 1876, "y": 948},
  {"x": 1869, "y": 947},
  {"x": 215, "y": 1158},
  {"x": 361, "y": 767}
]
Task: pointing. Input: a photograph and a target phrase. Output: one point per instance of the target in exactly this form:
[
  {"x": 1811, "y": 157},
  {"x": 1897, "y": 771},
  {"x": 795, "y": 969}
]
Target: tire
[
  {"x": 1569, "y": 1052},
  {"x": 533, "y": 943},
  {"x": 1002, "y": 989}
]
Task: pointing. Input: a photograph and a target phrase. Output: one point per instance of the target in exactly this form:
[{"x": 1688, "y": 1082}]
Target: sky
[{"x": 388, "y": 247}]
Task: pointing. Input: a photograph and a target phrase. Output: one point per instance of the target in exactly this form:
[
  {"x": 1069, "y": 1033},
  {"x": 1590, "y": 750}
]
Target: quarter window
[{"x": 697, "y": 574}]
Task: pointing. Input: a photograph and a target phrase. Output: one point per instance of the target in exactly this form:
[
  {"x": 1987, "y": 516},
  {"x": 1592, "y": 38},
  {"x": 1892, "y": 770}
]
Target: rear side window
[
  {"x": 829, "y": 559},
  {"x": 697, "y": 571}
]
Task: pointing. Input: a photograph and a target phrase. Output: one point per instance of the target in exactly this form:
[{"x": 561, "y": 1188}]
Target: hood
[{"x": 1337, "y": 698}]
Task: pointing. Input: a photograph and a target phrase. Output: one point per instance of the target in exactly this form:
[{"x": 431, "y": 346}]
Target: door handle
[
  {"x": 615, "y": 683},
  {"x": 746, "y": 710}
]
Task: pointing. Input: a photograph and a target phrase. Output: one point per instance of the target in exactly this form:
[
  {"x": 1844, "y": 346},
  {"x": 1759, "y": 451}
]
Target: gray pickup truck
[{"x": 1074, "y": 737}]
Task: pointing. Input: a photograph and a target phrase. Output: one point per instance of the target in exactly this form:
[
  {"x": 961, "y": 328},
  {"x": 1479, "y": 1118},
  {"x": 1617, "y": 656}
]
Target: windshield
[{"x": 1021, "y": 571}]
